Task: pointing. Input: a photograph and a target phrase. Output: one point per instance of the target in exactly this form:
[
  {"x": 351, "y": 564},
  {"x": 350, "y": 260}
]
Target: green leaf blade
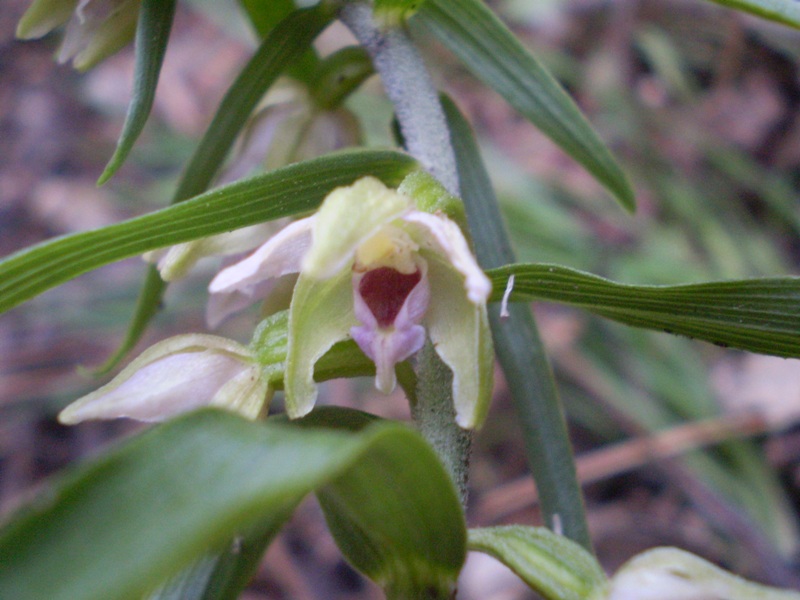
[
  {"x": 554, "y": 566},
  {"x": 283, "y": 192},
  {"x": 485, "y": 46},
  {"x": 758, "y": 315},
  {"x": 122, "y": 524},
  {"x": 152, "y": 34},
  {"x": 408, "y": 557}
]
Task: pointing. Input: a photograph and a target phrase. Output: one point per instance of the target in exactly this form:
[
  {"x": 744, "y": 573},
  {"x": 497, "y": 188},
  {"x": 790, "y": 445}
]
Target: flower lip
[{"x": 385, "y": 290}]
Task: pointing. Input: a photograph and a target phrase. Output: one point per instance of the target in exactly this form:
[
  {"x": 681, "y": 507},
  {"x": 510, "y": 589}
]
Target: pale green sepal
[
  {"x": 460, "y": 333},
  {"x": 553, "y": 565},
  {"x": 89, "y": 46},
  {"x": 673, "y": 574},
  {"x": 248, "y": 394},
  {"x": 393, "y": 12},
  {"x": 430, "y": 196},
  {"x": 321, "y": 314},
  {"x": 176, "y": 375},
  {"x": 43, "y": 16},
  {"x": 349, "y": 216}
]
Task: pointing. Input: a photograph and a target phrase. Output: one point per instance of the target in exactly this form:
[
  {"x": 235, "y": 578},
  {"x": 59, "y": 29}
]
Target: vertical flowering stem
[
  {"x": 411, "y": 91},
  {"x": 427, "y": 137}
]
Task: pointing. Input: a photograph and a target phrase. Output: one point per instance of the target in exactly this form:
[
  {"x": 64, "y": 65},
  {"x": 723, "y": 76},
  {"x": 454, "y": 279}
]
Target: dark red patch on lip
[{"x": 384, "y": 290}]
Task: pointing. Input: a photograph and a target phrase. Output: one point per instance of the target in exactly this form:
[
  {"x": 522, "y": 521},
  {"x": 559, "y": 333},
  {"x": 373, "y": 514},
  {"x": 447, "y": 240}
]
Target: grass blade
[
  {"x": 487, "y": 48},
  {"x": 520, "y": 351},
  {"x": 152, "y": 34}
]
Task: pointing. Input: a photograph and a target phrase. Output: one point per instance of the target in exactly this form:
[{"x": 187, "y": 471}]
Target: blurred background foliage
[{"x": 700, "y": 104}]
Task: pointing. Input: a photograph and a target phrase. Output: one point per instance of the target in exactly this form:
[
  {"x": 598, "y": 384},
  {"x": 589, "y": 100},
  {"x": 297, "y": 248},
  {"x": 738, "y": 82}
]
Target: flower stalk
[{"x": 424, "y": 128}]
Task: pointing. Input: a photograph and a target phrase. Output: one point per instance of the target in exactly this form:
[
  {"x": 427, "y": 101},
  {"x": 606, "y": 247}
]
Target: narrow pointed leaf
[
  {"x": 288, "y": 40},
  {"x": 519, "y": 349},
  {"x": 152, "y": 34},
  {"x": 554, "y": 566},
  {"x": 759, "y": 315},
  {"x": 121, "y": 524},
  {"x": 487, "y": 48},
  {"x": 264, "y": 16},
  {"x": 782, "y": 11},
  {"x": 291, "y": 190}
]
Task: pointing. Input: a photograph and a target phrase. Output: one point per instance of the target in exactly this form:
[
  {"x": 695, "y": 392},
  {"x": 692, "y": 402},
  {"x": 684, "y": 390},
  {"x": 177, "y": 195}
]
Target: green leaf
[
  {"x": 782, "y": 11},
  {"x": 487, "y": 48},
  {"x": 759, "y": 315},
  {"x": 152, "y": 34},
  {"x": 519, "y": 349},
  {"x": 554, "y": 566},
  {"x": 357, "y": 505},
  {"x": 118, "y": 526},
  {"x": 223, "y": 575},
  {"x": 265, "y": 15},
  {"x": 291, "y": 190}
]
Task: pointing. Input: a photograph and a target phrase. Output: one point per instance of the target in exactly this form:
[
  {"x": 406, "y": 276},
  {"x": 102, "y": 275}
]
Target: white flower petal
[
  {"x": 444, "y": 236},
  {"x": 280, "y": 255},
  {"x": 172, "y": 376},
  {"x": 222, "y": 305},
  {"x": 172, "y": 385}
]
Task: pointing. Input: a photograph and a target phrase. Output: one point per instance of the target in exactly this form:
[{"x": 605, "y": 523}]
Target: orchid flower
[
  {"x": 375, "y": 268},
  {"x": 177, "y": 375},
  {"x": 95, "y": 29}
]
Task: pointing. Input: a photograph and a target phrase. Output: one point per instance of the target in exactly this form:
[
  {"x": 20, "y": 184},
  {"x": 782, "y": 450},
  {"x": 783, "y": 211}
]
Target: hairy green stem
[
  {"x": 411, "y": 91},
  {"x": 424, "y": 128},
  {"x": 435, "y": 416}
]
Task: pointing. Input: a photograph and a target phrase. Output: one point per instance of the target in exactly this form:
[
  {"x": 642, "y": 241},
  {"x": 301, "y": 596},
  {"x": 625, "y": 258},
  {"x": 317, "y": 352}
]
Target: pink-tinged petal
[
  {"x": 390, "y": 306},
  {"x": 174, "y": 376},
  {"x": 439, "y": 233},
  {"x": 172, "y": 385},
  {"x": 280, "y": 255},
  {"x": 222, "y": 305},
  {"x": 386, "y": 348}
]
